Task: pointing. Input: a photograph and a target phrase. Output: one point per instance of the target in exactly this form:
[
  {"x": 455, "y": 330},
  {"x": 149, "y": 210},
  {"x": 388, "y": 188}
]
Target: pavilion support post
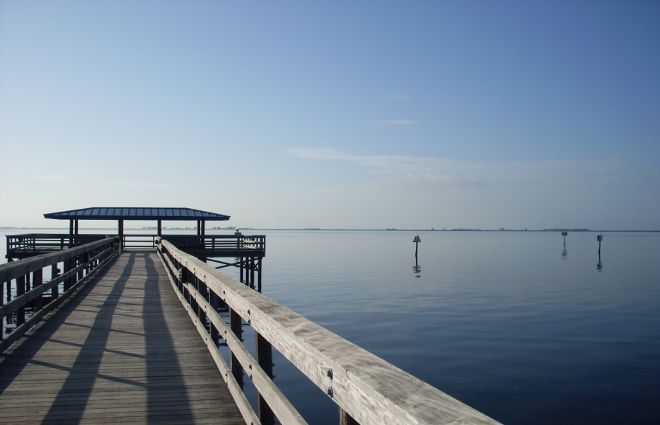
[
  {"x": 71, "y": 233},
  {"x": 160, "y": 227},
  {"x": 120, "y": 229}
]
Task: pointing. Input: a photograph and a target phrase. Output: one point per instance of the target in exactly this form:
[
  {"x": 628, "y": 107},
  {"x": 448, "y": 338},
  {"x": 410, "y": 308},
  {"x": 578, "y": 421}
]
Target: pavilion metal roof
[{"x": 136, "y": 213}]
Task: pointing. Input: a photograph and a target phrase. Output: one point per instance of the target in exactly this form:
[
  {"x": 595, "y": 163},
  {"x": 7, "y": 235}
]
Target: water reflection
[
  {"x": 564, "y": 253},
  {"x": 417, "y": 269},
  {"x": 599, "y": 266}
]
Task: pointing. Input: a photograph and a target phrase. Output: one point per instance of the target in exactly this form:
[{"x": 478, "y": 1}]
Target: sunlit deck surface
[{"x": 123, "y": 350}]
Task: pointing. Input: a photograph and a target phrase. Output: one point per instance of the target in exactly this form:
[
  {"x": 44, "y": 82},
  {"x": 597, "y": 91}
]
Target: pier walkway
[{"x": 123, "y": 350}]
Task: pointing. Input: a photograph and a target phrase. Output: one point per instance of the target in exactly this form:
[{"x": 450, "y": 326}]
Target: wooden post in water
[{"x": 259, "y": 275}]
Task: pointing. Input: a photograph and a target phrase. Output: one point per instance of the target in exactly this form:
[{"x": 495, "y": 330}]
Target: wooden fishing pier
[{"x": 98, "y": 332}]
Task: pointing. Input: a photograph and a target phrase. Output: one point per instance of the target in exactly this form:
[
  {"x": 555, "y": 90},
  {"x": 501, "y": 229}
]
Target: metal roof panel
[{"x": 136, "y": 213}]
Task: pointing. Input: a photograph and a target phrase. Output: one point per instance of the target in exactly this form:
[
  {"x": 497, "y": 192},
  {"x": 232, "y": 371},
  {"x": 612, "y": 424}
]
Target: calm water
[{"x": 500, "y": 320}]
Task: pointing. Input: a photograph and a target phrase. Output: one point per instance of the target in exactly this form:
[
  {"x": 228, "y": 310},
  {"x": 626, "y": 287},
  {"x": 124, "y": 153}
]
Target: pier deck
[{"x": 123, "y": 350}]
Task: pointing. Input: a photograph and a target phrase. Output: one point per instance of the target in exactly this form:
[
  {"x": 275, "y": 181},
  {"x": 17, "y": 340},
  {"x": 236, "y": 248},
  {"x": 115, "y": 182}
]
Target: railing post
[
  {"x": 265, "y": 359},
  {"x": 203, "y": 291},
  {"x": 20, "y": 290},
  {"x": 37, "y": 280},
  {"x": 260, "y": 264},
  {"x": 183, "y": 278},
  {"x": 54, "y": 272},
  {"x": 236, "y": 325},
  {"x": 2, "y": 318},
  {"x": 345, "y": 418},
  {"x": 67, "y": 266},
  {"x": 8, "y": 294},
  {"x": 252, "y": 264}
]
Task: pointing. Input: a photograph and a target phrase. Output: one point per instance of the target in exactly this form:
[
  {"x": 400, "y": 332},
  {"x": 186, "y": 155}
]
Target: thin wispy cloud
[
  {"x": 434, "y": 170},
  {"x": 51, "y": 177},
  {"x": 135, "y": 184},
  {"x": 395, "y": 123}
]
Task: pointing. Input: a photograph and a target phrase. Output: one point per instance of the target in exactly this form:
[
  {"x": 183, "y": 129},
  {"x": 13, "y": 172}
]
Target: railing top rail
[
  {"x": 367, "y": 387},
  {"x": 56, "y": 235}
]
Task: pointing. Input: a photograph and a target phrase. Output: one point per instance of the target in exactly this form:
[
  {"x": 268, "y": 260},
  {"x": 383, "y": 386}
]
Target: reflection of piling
[
  {"x": 564, "y": 253},
  {"x": 417, "y": 269},
  {"x": 599, "y": 266}
]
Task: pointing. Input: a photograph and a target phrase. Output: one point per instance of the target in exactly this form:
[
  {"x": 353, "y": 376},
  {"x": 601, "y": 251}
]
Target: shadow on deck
[{"x": 122, "y": 350}]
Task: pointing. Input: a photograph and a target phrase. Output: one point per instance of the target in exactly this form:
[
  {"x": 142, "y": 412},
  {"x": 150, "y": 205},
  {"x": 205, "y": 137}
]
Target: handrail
[
  {"x": 34, "y": 243},
  {"x": 79, "y": 263},
  {"x": 367, "y": 389},
  {"x": 25, "y": 245}
]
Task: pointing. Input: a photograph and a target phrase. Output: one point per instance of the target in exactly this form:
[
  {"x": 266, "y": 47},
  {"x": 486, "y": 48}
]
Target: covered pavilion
[{"x": 137, "y": 213}]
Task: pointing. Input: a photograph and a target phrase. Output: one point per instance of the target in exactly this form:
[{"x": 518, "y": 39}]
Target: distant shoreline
[{"x": 318, "y": 229}]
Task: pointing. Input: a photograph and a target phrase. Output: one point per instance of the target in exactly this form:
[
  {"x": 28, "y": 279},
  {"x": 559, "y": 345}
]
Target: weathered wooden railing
[
  {"x": 31, "y": 244},
  {"x": 237, "y": 245},
  {"x": 367, "y": 389},
  {"x": 23, "y": 287}
]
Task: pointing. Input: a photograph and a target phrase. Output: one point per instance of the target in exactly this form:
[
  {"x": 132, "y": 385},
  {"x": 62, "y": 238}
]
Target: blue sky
[{"x": 339, "y": 114}]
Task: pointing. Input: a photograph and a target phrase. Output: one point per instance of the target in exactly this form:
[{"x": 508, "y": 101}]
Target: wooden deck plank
[{"x": 123, "y": 350}]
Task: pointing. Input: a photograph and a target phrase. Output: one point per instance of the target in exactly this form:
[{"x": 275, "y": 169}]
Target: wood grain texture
[
  {"x": 366, "y": 387},
  {"x": 123, "y": 350}
]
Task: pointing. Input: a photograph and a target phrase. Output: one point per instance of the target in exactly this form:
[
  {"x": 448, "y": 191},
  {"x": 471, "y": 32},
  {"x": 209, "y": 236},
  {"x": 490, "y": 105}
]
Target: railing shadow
[{"x": 109, "y": 316}]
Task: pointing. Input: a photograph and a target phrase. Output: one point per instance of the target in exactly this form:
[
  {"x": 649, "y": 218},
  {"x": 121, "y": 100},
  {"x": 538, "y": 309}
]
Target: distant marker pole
[{"x": 417, "y": 240}]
